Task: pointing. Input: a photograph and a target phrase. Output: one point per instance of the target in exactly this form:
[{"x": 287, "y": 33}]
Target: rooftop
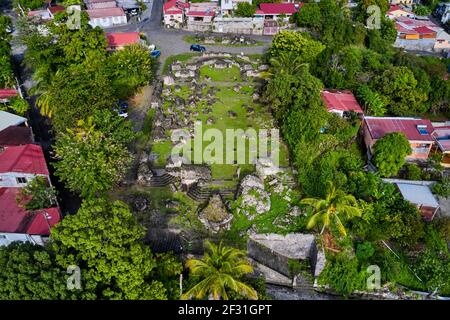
[
  {"x": 16, "y": 219},
  {"x": 278, "y": 8},
  {"x": 413, "y": 128},
  {"x": 442, "y": 137},
  {"x": 28, "y": 158},
  {"x": 341, "y": 101},
  {"x": 8, "y": 119},
  {"x": 8, "y": 93},
  {"x": 116, "y": 39},
  {"x": 16, "y": 136},
  {"x": 105, "y": 12}
]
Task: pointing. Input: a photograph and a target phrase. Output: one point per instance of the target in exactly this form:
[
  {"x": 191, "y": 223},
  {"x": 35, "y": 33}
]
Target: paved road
[{"x": 171, "y": 42}]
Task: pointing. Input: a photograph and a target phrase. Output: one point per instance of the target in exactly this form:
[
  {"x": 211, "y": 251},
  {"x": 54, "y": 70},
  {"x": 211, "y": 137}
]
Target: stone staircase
[
  {"x": 201, "y": 194},
  {"x": 162, "y": 180}
]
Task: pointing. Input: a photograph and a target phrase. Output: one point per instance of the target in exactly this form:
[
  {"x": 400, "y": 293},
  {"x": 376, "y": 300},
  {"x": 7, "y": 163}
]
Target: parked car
[
  {"x": 198, "y": 48},
  {"x": 155, "y": 54},
  {"x": 122, "y": 109}
]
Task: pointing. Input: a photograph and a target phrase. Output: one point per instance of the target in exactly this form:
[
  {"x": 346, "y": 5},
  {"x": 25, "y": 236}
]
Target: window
[
  {"x": 21, "y": 180},
  {"x": 422, "y": 129}
]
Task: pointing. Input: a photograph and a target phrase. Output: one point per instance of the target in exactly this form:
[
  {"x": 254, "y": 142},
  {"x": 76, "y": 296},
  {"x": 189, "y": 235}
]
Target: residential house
[
  {"x": 274, "y": 11},
  {"x": 100, "y": 4},
  {"x": 16, "y": 136},
  {"x": 174, "y": 13},
  {"x": 46, "y": 14},
  {"x": 18, "y": 165},
  {"x": 8, "y": 119},
  {"x": 341, "y": 102},
  {"x": 442, "y": 43},
  {"x": 227, "y": 7},
  {"x": 441, "y": 136},
  {"x": 7, "y": 94},
  {"x": 443, "y": 12},
  {"x": 200, "y": 16},
  {"x": 396, "y": 11},
  {"x": 118, "y": 40},
  {"x": 417, "y": 131},
  {"x": 7, "y": 238},
  {"x": 419, "y": 194},
  {"x": 106, "y": 17}
]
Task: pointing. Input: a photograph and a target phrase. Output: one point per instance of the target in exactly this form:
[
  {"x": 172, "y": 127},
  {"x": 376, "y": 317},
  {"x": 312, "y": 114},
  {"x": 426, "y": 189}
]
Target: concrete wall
[
  {"x": 9, "y": 179},
  {"x": 173, "y": 20},
  {"x": 108, "y": 21},
  {"x": 238, "y": 25}
]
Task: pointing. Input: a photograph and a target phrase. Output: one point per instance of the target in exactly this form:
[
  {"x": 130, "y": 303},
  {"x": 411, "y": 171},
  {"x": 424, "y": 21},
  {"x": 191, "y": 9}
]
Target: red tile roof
[
  {"x": 442, "y": 137},
  {"x": 341, "y": 101},
  {"x": 424, "y": 30},
  {"x": 16, "y": 136},
  {"x": 105, "y": 12},
  {"x": 15, "y": 219},
  {"x": 56, "y": 9},
  {"x": 279, "y": 8},
  {"x": 8, "y": 93},
  {"x": 28, "y": 158},
  {"x": 116, "y": 39},
  {"x": 201, "y": 13},
  {"x": 174, "y": 7},
  {"x": 378, "y": 127}
]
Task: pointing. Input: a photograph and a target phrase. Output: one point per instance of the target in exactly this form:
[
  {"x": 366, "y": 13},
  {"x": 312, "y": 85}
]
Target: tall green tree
[
  {"x": 38, "y": 194},
  {"x": 297, "y": 42},
  {"x": 91, "y": 161},
  {"x": 245, "y": 9},
  {"x": 219, "y": 272},
  {"x": 29, "y": 272},
  {"x": 329, "y": 210},
  {"x": 389, "y": 153},
  {"x": 104, "y": 239}
]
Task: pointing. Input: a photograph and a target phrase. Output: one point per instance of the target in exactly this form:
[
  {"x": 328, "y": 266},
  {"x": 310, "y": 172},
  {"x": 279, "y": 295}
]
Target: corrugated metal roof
[{"x": 417, "y": 194}]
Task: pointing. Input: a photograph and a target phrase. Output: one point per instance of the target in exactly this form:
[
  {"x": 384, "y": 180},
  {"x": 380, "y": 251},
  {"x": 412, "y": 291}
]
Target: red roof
[
  {"x": 378, "y": 127},
  {"x": 105, "y": 12},
  {"x": 424, "y": 30},
  {"x": 341, "y": 101},
  {"x": 16, "y": 136},
  {"x": 394, "y": 7},
  {"x": 28, "y": 158},
  {"x": 116, "y": 39},
  {"x": 8, "y": 93},
  {"x": 56, "y": 9},
  {"x": 15, "y": 219},
  {"x": 174, "y": 7},
  {"x": 201, "y": 13},
  {"x": 442, "y": 137},
  {"x": 279, "y": 8}
]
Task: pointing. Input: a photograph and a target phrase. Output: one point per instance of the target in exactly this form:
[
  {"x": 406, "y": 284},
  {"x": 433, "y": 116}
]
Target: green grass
[
  {"x": 179, "y": 57},
  {"x": 163, "y": 148},
  {"x": 193, "y": 39},
  {"x": 232, "y": 74},
  {"x": 143, "y": 137}
]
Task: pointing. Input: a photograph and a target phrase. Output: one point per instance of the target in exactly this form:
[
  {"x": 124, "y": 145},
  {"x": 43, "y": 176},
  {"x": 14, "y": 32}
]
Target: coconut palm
[
  {"x": 328, "y": 210},
  {"x": 220, "y": 270},
  {"x": 286, "y": 62}
]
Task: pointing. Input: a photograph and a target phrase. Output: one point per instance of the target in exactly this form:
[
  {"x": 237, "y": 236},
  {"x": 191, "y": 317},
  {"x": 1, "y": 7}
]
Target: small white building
[
  {"x": 106, "y": 17},
  {"x": 174, "y": 13},
  {"x": 7, "y": 238}
]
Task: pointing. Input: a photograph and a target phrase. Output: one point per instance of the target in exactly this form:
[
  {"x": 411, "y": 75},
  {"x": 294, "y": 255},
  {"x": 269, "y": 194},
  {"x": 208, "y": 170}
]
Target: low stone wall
[{"x": 238, "y": 25}]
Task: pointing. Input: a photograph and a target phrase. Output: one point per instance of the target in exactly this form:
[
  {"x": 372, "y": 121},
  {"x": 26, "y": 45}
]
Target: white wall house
[
  {"x": 7, "y": 238},
  {"x": 107, "y": 17}
]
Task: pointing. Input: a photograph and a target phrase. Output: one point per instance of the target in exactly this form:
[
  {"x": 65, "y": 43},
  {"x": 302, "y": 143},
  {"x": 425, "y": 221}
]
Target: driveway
[{"x": 171, "y": 42}]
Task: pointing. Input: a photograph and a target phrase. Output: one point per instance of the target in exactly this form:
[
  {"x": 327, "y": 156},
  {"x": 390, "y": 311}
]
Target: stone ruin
[
  {"x": 215, "y": 216},
  {"x": 274, "y": 252}
]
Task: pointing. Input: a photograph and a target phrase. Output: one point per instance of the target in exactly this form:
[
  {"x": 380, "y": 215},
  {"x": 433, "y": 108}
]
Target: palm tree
[
  {"x": 328, "y": 210},
  {"x": 286, "y": 62},
  {"x": 220, "y": 270}
]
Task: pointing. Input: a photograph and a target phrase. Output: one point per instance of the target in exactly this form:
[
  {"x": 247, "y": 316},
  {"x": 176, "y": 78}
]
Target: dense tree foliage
[
  {"x": 38, "y": 194},
  {"x": 389, "y": 153},
  {"x": 29, "y": 272},
  {"x": 93, "y": 158},
  {"x": 245, "y": 9},
  {"x": 105, "y": 241}
]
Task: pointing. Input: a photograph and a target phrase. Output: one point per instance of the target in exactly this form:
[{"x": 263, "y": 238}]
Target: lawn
[{"x": 232, "y": 74}]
